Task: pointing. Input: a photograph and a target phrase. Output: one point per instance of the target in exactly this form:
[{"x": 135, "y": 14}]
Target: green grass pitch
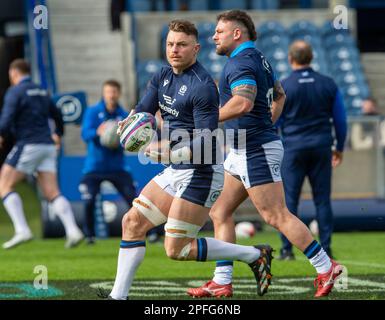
[{"x": 78, "y": 272}]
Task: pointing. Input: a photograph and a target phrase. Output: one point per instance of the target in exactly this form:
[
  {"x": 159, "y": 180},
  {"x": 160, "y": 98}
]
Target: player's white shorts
[
  {"x": 30, "y": 158},
  {"x": 257, "y": 167},
  {"x": 200, "y": 186}
]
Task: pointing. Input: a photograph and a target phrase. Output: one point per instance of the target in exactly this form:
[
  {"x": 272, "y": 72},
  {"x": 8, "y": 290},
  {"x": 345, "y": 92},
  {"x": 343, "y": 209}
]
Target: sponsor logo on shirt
[
  {"x": 172, "y": 111},
  {"x": 169, "y": 100}
]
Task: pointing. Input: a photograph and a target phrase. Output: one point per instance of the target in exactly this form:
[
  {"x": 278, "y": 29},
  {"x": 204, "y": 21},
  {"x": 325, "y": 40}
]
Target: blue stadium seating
[
  {"x": 344, "y": 53},
  {"x": 338, "y": 40},
  {"x": 353, "y": 105},
  {"x": 233, "y": 4},
  {"x": 146, "y": 69},
  {"x": 264, "y": 4},
  {"x": 206, "y": 28},
  {"x": 329, "y": 29},
  {"x": 334, "y": 54},
  {"x": 270, "y": 28},
  {"x": 138, "y": 5},
  {"x": 351, "y": 77},
  {"x": 303, "y": 27},
  {"x": 199, "y": 5},
  {"x": 267, "y": 43}
]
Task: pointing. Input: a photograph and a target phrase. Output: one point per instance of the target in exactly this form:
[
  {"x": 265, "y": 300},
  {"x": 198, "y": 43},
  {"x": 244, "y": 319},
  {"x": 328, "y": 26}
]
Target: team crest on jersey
[
  {"x": 182, "y": 90},
  {"x": 169, "y": 100},
  {"x": 266, "y": 64},
  {"x": 165, "y": 83}
]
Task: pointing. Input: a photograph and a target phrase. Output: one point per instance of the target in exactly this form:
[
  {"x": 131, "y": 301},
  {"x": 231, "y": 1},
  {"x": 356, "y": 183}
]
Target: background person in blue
[
  {"x": 251, "y": 100},
  {"x": 312, "y": 100},
  {"x": 103, "y": 163}
]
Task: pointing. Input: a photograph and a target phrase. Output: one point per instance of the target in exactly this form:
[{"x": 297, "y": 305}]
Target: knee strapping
[
  {"x": 183, "y": 254},
  {"x": 180, "y": 229},
  {"x": 149, "y": 210}
]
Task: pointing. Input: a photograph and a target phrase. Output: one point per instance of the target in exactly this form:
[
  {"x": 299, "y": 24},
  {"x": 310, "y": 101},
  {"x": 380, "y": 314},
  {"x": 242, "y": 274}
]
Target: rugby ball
[
  {"x": 244, "y": 229},
  {"x": 109, "y": 138},
  {"x": 138, "y": 131}
]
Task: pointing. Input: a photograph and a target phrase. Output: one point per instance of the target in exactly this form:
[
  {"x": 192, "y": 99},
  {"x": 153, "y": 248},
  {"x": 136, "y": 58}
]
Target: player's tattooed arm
[
  {"x": 241, "y": 103},
  {"x": 245, "y": 90},
  {"x": 279, "y": 97},
  {"x": 278, "y": 91}
]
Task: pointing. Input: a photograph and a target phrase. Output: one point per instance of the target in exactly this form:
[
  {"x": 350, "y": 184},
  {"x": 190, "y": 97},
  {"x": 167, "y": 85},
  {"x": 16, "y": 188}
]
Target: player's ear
[
  {"x": 237, "y": 33},
  {"x": 197, "y": 48}
]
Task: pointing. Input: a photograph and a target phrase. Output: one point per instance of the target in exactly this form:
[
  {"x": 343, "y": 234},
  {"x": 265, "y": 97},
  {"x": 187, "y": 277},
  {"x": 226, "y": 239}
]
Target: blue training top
[
  {"x": 100, "y": 159},
  {"x": 187, "y": 101},
  {"x": 247, "y": 65},
  {"x": 25, "y": 114},
  {"x": 312, "y": 101}
]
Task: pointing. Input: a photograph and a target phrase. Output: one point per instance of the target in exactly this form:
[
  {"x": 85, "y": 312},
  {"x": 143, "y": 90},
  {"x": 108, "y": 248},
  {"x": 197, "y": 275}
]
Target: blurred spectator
[
  {"x": 103, "y": 163},
  {"x": 369, "y": 107},
  {"x": 117, "y": 7}
]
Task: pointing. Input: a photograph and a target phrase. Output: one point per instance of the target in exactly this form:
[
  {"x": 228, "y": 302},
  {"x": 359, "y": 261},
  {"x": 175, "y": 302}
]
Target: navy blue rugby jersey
[
  {"x": 247, "y": 65},
  {"x": 187, "y": 101},
  {"x": 25, "y": 114}
]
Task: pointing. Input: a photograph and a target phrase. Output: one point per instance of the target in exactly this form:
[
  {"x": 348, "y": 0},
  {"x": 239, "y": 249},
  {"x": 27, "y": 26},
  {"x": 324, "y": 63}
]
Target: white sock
[
  {"x": 14, "y": 206},
  {"x": 321, "y": 262},
  {"x": 63, "y": 209},
  {"x": 129, "y": 260},
  {"x": 223, "y": 275},
  {"x": 221, "y": 250}
]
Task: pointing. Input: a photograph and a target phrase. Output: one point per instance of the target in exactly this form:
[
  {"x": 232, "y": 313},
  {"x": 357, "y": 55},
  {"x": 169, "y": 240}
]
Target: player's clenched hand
[{"x": 122, "y": 123}]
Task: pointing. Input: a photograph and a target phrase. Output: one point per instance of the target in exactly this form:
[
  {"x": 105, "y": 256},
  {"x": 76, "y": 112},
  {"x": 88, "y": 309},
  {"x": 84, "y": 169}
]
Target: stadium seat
[
  {"x": 270, "y": 28},
  {"x": 198, "y": 5},
  {"x": 233, "y": 4},
  {"x": 313, "y": 39},
  {"x": 214, "y": 68},
  {"x": 272, "y": 42},
  {"x": 205, "y": 28},
  {"x": 329, "y": 29},
  {"x": 344, "y": 53},
  {"x": 347, "y": 78},
  {"x": 353, "y": 105},
  {"x": 303, "y": 27},
  {"x": 339, "y": 40},
  {"x": 281, "y": 67},
  {"x": 340, "y": 66},
  {"x": 146, "y": 69},
  {"x": 359, "y": 89},
  {"x": 139, "y": 5},
  {"x": 264, "y": 4}
]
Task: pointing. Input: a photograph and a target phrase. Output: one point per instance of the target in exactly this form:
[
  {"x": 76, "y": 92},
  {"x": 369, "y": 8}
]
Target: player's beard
[{"x": 221, "y": 51}]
